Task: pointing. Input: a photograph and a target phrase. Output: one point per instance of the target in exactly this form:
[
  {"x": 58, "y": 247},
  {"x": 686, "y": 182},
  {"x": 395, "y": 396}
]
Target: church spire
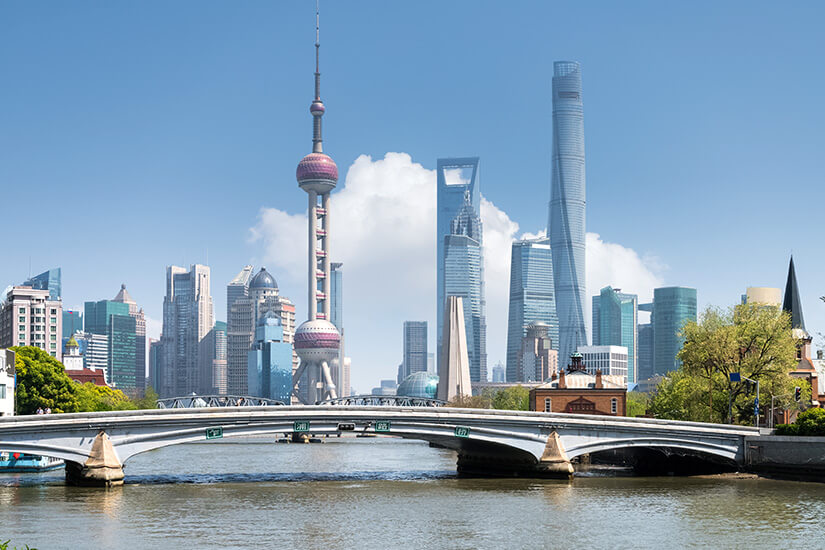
[{"x": 793, "y": 302}]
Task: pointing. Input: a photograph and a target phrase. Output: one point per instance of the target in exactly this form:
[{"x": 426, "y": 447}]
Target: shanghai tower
[{"x": 567, "y": 203}]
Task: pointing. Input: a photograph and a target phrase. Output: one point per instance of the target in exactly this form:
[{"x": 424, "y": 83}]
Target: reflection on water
[{"x": 387, "y": 493}]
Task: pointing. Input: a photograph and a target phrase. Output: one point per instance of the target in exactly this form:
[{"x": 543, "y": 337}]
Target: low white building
[
  {"x": 611, "y": 360},
  {"x": 6, "y": 382}
]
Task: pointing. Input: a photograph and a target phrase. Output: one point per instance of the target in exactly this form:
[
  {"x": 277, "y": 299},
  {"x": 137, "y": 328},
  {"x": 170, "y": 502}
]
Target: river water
[{"x": 391, "y": 493}]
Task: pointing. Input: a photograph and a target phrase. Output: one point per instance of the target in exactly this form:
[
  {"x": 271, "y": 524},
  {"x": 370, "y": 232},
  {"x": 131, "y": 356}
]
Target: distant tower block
[
  {"x": 454, "y": 373},
  {"x": 317, "y": 340}
]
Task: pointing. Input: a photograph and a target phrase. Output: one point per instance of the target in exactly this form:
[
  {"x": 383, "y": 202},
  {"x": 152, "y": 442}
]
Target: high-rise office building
[
  {"x": 415, "y": 348},
  {"x": 610, "y": 360},
  {"x": 672, "y": 308},
  {"x": 185, "y": 364},
  {"x": 72, "y": 322},
  {"x": 112, "y": 320},
  {"x": 644, "y": 360},
  {"x": 460, "y": 267},
  {"x": 270, "y": 361},
  {"x": 140, "y": 336},
  {"x": 532, "y": 298},
  {"x": 217, "y": 341},
  {"x": 262, "y": 295},
  {"x": 48, "y": 280},
  {"x": 341, "y": 365},
  {"x": 537, "y": 360},
  {"x": 566, "y": 226},
  {"x": 154, "y": 366},
  {"x": 615, "y": 318},
  {"x": 499, "y": 373},
  {"x": 30, "y": 317}
]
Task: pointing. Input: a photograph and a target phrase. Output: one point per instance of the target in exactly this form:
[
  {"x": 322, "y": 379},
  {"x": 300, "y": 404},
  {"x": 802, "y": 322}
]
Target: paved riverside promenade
[{"x": 95, "y": 446}]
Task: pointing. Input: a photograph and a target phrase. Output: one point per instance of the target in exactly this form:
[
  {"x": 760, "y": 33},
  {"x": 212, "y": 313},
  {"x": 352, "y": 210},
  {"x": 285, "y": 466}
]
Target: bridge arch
[{"x": 692, "y": 447}]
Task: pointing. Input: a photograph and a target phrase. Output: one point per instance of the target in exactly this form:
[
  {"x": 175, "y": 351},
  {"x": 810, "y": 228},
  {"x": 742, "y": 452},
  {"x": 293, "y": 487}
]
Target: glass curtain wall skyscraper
[
  {"x": 48, "y": 280},
  {"x": 112, "y": 320},
  {"x": 566, "y": 226},
  {"x": 615, "y": 316},
  {"x": 459, "y": 255},
  {"x": 415, "y": 348},
  {"x": 672, "y": 308},
  {"x": 532, "y": 298}
]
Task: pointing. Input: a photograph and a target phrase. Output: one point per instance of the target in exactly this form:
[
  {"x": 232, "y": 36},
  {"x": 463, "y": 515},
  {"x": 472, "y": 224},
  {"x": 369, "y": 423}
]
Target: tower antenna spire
[{"x": 317, "y": 39}]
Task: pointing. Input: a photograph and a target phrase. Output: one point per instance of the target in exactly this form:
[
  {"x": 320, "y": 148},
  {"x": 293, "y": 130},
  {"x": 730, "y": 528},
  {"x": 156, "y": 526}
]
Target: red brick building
[{"x": 580, "y": 393}]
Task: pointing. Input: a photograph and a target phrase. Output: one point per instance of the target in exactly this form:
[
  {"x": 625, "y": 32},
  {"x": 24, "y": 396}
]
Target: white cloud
[{"x": 383, "y": 221}]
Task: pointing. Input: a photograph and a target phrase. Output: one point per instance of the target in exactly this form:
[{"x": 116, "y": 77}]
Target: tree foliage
[
  {"x": 810, "y": 422},
  {"x": 752, "y": 340},
  {"x": 470, "y": 402},
  {"x": 42, "y": 382},
  {"x": 637, "y": 403},
  {"x": 515, "y": 398}
]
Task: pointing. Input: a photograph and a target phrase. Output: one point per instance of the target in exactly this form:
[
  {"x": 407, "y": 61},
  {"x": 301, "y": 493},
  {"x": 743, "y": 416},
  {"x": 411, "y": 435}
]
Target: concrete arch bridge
[{"x": 95, "y": 446}]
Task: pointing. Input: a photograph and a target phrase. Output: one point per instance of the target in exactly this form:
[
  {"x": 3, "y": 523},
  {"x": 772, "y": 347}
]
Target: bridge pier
[
  {"x": 101, "y": 469},
  {"x": 500, "y": 462}
]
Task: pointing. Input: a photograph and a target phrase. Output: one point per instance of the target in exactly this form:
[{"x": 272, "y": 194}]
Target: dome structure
[
  {"x": 418, "y": 384},
  {"x": 317, "y": 340},
  {"x": 317, "y": 172},
  {"x": 263, "y": 280}
]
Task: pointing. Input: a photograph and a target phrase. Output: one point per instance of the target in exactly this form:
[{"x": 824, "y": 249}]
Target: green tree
[
  {"x": 515, "y": 398},
  {"x": 102, "y": 398},
  {"x": 470, "y": 401},
  {"x": 637, "y": 403},
  {"x": 42, "y": 382},
  {"x": 149, "y": 399},
  {"x": 754, "y": 341}
]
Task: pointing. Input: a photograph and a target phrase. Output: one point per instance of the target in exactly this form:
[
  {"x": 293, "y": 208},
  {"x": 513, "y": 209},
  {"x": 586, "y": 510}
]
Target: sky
[{"x": 139, "y": 135}]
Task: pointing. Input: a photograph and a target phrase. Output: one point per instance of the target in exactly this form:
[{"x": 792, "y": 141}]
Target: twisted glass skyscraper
[{"x": 567, "y": 202}]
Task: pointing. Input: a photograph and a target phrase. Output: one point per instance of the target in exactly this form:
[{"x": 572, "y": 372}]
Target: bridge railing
[
  {"x": 201, "y": 401},
  {"x": 384, "y": 401}
]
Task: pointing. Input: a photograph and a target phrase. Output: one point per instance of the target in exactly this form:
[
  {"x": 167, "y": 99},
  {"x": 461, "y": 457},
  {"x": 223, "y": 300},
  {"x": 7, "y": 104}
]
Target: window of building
[
  {"x": 54, "y": 311},
  {"x": 53, "y": 320},
  {"x": 21, "y": 328},
  {"x": 52, "y": 346},
  {"x": 53, "y": 337},
  {"x": 53, "y": 328},
  {"x": 22, "y": 338},
  {"x": 22, "y": 310},
  {"x": 614, "y": 405},
  {"x": 2, "y": 391},
  {"x": 21, "y": 319},
  {"x": 548, "y": 405}
]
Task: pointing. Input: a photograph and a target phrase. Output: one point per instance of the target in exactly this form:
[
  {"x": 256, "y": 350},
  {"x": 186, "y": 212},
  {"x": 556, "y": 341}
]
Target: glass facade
[
  {"x": 460, "y": 267},
  {"x": 644, "y": 363},
  {"x": 418, "y": 384},
  {"x": 48, "y": 280},
  {"x": 672, "y": 308},
  {"x": 532, "y": 298},
  {"x": 72, "y": 322},
  {"x": 566, "y": 226},
  {"x": 112, "y": 320},
  {"x": 415, "y": 347},
  {"x": 269, "y": 366},
  {"x": 615, "y": 316}
]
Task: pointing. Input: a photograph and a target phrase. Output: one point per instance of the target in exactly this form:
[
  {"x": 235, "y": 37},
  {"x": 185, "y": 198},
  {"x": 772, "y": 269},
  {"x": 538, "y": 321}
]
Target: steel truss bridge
[
  {"x": 491, "y": 442},
  {"x": 202, "y": 401},
  {"x": 383, "y": 401}
]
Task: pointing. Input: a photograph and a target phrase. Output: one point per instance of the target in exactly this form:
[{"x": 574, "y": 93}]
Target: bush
[{"x": 808, "y": 423}]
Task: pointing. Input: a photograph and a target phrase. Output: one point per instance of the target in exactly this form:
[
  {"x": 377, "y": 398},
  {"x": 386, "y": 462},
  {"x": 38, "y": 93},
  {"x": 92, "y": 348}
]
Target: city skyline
[{"x": 663, "y": 138}]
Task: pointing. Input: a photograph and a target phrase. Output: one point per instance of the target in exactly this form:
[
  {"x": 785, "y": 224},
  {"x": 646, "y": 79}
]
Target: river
[{"x": 391, "y": 493}]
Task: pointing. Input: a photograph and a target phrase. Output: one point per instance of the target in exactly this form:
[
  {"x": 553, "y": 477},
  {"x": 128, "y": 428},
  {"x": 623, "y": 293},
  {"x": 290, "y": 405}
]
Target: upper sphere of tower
[
  {"x": 317, "y": 108},
  {"x": 317, "y": 172}
]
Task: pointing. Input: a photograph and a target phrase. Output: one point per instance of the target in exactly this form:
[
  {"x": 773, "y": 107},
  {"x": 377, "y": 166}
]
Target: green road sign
[
  {"x": 462, "y": 431},
  {"x": 300, "y": 426},
  {"x": 214, "y": 433},
  {"x": 382, "y": 425}
]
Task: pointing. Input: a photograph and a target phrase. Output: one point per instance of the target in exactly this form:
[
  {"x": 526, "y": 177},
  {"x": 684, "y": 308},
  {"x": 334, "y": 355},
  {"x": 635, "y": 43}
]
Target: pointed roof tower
[
  {"x": 792, "y": 302},
  {"x": 123, "y": 296}
]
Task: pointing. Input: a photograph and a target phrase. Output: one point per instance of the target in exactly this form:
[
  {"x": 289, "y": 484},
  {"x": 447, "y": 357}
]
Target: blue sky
[{"x": 137, "y": 135}]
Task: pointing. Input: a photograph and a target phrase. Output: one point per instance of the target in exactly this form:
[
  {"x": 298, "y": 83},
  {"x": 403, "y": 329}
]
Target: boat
[{"x": 22, "y": 462}]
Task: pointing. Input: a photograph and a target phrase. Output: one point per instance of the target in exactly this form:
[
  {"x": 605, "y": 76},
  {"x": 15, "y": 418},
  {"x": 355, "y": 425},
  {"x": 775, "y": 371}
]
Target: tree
[
  {"x": 149, "y": 399},
  {"x": 470, "y": 402},
  {"x": 515, "y": 398},
  {"x": 42, "y": 383},
  {"x": 101, "y": 398},
  {"x": 810, "y": 422},
  {"x": 752, "y": 340},
  {"x": 637, "y": 403}
]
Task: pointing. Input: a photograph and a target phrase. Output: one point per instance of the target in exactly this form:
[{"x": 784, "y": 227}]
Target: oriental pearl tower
[{"x": 317, "y": 340}]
